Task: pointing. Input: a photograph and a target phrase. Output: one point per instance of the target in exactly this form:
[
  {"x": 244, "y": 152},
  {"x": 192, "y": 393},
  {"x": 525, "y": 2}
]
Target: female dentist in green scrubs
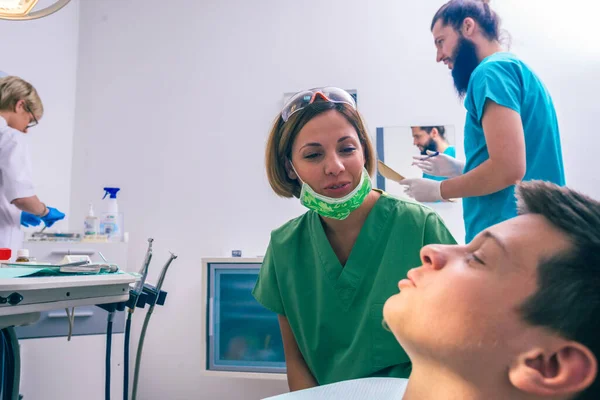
[{"x": 328, "y": 272}]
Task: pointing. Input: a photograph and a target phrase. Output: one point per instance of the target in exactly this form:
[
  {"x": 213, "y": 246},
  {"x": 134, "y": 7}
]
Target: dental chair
[{"x": 356, "y": 389}]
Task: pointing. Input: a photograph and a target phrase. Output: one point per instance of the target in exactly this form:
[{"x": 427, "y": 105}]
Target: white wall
[
  {"x": 560, "y": 46},
  {"x": 174, "y": 103},
  {"x": 44, "y": 52}
]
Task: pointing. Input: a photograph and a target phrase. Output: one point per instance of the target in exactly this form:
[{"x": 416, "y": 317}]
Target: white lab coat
[{"x": 15, "y": 183}]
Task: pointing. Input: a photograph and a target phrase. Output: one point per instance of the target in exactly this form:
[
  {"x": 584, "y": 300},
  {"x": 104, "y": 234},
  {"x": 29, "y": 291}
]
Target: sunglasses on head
[{"x": 304, "y": 98}]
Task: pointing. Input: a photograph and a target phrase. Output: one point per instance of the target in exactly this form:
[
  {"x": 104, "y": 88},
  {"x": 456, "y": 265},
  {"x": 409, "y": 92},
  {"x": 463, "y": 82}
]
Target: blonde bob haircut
[
  {"x": 13, "y": 89},
  {"x": 282, "y": 137}
]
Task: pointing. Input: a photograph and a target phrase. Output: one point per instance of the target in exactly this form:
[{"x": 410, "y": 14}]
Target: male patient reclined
[{"x": 514, "y": 315}]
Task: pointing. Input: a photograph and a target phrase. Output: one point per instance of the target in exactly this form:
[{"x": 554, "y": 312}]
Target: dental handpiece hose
[
  {"x": 138, "y": 360},
  {"x": 109, "y": 326},
  {"x": 137, "y": 290}
]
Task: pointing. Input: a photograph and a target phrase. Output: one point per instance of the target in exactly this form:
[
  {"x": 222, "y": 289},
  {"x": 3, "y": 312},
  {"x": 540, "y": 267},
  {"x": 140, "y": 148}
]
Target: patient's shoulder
[{"x": 356, "y": 389}]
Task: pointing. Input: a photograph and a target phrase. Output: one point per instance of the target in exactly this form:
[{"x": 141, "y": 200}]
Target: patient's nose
[{"x": 434, "y": 256}]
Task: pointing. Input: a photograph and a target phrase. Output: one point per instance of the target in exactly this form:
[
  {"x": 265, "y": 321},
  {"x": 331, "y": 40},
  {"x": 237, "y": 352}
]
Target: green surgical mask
[{"x": 331, "y": 207}]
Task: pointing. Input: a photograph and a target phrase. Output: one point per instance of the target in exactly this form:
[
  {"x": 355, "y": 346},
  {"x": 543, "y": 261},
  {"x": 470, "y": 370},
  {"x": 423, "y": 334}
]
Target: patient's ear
[{"x": 569, "y": 369}]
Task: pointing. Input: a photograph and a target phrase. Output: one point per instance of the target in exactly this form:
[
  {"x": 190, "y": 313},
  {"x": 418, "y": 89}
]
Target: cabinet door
[
  {"x": 89, "y": 320},
  {"x": 243, "y": 335},
  {"x": 54, "y": 369}
]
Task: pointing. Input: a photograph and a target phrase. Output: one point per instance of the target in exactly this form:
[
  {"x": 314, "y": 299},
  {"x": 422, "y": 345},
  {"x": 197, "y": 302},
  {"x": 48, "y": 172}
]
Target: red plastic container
[{"x": 5, "y": 255}]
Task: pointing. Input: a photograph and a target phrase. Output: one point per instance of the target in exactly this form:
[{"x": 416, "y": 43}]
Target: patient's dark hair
[{"x": 567, "y": 300}]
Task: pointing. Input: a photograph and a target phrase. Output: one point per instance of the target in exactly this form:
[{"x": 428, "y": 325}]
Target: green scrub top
[{"x": 335, "y": 311}]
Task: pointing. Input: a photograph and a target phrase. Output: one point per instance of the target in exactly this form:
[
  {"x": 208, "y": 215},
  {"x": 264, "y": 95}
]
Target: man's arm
[{"x": 507, "y": 164}]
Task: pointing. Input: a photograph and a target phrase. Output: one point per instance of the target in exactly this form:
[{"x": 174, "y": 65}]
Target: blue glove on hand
[
  {"x": 52, "y": 216},
  {"x": 28, "y": 219}
]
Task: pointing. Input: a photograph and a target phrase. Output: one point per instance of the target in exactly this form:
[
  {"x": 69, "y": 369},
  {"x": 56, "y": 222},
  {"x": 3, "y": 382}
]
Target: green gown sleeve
[{"x": 267, "y": 291}]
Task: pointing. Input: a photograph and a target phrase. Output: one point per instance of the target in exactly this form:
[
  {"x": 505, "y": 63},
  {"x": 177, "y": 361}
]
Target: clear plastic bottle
[{"x": 91, "y": 224}]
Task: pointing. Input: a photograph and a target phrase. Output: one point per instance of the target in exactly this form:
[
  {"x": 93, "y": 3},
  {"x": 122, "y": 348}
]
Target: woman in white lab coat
[{"x": 20, "y": 109}]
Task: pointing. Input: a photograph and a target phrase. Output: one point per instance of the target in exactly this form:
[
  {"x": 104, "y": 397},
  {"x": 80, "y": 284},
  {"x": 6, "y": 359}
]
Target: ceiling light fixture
[{"x": 22, "y": 10}]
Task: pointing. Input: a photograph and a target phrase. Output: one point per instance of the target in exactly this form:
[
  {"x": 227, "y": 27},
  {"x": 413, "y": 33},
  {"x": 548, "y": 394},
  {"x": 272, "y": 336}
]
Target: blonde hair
[
  {"x": 13, "y": 89},
  {"x": 283, "y": 134}
]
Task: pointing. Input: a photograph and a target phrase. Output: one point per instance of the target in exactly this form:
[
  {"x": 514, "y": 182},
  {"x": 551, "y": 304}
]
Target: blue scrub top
[
  {"x": 450, "y": 151},
  {"x": 509, "y": 82}
]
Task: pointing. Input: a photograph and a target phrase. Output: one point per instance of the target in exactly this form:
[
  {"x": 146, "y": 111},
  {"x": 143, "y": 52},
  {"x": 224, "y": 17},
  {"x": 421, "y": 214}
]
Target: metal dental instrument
[
  {"x": 164, "y": 272},
  {"x": 138, "y": 360},
  {"x": 74, "y": 264},
  {"x": 139, "y": 286},
  {"x": 102, "y": 256},
  {"x": 108, "y": 267}
]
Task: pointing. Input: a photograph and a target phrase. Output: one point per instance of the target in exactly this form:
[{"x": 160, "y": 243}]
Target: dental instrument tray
[
  {"x": 78, "y": 267},
  {"x": 55, "y": 237},
  {"x": 45, "y": 293}
]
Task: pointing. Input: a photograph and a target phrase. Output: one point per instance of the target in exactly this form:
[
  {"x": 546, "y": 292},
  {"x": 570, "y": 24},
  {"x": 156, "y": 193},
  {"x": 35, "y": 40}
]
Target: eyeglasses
[
  {"x": 35, "y": 121},
  {"x": 304, "y": 98}
]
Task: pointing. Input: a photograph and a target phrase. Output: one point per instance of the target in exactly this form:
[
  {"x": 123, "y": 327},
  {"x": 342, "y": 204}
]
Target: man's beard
[
  {"x": 464, "y": 62},
  {"x": 431, "y": 145}
]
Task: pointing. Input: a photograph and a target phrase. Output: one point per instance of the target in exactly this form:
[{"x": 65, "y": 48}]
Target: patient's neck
[{"x": 432, "y": 381}]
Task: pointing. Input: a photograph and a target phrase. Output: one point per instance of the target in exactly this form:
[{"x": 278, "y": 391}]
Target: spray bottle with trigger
[{"x": 111, "y": 223}]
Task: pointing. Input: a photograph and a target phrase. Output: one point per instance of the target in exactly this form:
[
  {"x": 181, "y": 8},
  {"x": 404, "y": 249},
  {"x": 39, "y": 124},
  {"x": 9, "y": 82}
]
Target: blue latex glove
[
  {"x": 28, "y": 219},
  {"x": 52, "y": 216}
]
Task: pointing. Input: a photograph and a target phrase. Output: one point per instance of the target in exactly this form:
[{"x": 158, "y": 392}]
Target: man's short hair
[
  {"x": 567, "y": 300},
  {"x": 441, "y": 129}
]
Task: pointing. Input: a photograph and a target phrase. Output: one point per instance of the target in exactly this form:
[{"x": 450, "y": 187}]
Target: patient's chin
[
  {"x": 393, "y": 311},
  {"x": 390, "y": 307}
]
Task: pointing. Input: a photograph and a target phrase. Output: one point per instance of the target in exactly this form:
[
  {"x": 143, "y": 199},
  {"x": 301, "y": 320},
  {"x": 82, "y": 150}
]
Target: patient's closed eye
[{"x": 472, "y": 258}]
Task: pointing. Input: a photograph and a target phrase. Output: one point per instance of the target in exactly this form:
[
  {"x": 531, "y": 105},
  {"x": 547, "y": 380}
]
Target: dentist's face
[
  {"x": 423, "y": 140},
  {"x": 328, "y": 155},
  {"x": 457, "y": 52},
  {"x": 23, "y": 118},
  {"x": 446, "y": 40}
]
